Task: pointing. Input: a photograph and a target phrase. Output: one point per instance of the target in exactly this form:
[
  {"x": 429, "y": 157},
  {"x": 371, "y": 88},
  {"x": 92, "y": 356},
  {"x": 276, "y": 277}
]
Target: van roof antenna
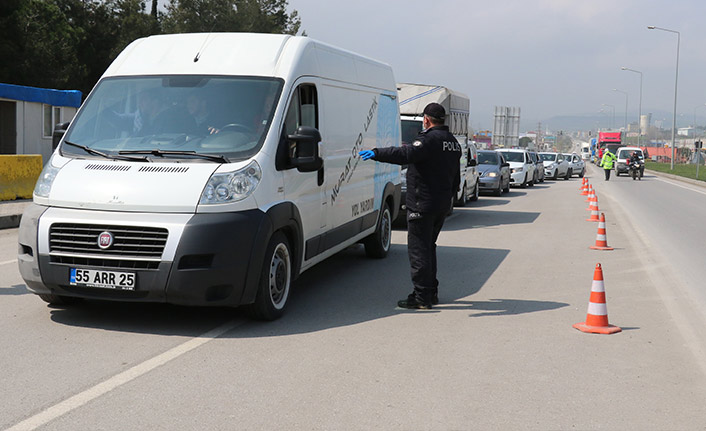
[{"x": 198, "y": 53}]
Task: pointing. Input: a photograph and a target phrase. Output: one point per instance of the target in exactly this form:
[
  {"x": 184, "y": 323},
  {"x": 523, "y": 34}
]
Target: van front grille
[
  {"x": 132, "y": 242},
  {"x": 104, "y": 263}
]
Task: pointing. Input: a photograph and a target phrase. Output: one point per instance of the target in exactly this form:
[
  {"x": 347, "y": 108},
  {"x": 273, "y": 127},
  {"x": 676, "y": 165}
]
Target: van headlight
[
  {"x": 45, "y": 180},
  {"x": 231, "y": 186},
  {"x": 520, "y": 169}
]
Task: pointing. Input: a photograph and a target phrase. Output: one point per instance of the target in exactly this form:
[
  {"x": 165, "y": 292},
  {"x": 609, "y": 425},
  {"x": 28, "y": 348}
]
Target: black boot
[{"x": 414, "y": 303}]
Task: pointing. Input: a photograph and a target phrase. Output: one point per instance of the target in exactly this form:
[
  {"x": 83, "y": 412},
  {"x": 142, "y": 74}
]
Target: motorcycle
[{"x": 636, "y": 169}]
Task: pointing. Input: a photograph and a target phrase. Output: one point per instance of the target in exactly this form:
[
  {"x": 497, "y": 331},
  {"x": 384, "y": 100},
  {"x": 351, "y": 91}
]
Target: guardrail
[{"x": 18, "y": 174}]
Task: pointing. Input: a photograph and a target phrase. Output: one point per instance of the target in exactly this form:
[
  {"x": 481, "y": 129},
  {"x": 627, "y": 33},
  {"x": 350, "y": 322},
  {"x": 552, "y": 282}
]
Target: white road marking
[
  {"x": 692, "y": 188},
  {"x": 118, "y": 380},
  {"x": 7, "y": 262}
]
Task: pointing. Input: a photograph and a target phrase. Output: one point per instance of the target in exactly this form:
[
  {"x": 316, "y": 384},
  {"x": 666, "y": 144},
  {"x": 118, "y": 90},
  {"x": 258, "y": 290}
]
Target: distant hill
[{"x": 594, "y": 121}]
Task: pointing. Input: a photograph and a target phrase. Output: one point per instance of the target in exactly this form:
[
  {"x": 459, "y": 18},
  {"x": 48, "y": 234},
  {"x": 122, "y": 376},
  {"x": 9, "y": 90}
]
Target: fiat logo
[{"x": 105, "y": 240}]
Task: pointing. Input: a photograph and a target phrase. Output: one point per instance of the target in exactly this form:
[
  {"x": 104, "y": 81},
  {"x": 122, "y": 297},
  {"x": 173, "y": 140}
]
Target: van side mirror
[
  {"x": 58, "y": 133},
  {"x": 472, "y": 162},
  {"x": 306, "y": 140}
]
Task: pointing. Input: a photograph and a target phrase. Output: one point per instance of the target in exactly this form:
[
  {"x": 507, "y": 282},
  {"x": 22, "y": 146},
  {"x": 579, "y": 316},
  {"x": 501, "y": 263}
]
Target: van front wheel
[
  {"x": 378, "y": 244},
  {"x": 275, "y": 280}
]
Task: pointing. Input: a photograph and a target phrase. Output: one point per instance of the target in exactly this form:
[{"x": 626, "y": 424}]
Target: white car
[
  {"x": 576, "y": 165},
  {"x": 555, "y": 165},
  {"x": 538, "y": 166},
  {"x": 522, "y": 171}
]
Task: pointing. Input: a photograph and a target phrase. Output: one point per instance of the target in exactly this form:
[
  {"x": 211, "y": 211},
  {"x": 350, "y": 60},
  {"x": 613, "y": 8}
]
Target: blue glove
[{"x": 367, "y": 154}]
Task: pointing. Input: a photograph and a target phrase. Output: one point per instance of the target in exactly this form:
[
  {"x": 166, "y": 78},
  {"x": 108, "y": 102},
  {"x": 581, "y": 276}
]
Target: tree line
[{"x": 68, "y": 44}]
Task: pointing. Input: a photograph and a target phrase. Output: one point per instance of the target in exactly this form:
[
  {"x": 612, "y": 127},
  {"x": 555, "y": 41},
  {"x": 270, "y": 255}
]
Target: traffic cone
[
  {"x": 584, "y": 191},
  {"x": 584, "y": 186},
  {"x": 590, "y": 193},
  {"x": 597, "y": 316},
  {"x": 601, "y": 238},
  {"x": 592, "y": 201},
  {"x": 594, "y": 212}
]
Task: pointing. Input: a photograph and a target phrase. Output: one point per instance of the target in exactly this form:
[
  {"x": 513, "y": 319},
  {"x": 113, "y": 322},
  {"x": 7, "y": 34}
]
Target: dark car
[{"x": 494, "y": 172}]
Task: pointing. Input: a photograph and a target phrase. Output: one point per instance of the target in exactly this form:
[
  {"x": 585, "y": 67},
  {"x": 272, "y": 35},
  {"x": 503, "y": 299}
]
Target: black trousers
[
  {"x": 422, "y": 232},
  {"x": 607, "y": 174}
]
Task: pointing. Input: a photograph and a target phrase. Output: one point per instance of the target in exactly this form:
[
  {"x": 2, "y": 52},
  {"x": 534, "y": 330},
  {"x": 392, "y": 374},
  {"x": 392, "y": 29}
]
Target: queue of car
[
  {"x": 493, "y": 172},
  {"x": 504, "y": 167}
]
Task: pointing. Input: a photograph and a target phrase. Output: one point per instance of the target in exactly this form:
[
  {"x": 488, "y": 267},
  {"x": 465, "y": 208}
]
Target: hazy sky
[{"x": 549, "y": 57}]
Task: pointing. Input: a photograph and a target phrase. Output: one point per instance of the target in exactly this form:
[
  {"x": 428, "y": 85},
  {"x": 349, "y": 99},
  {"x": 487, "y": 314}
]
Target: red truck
[{"x": 610, "y": 141}]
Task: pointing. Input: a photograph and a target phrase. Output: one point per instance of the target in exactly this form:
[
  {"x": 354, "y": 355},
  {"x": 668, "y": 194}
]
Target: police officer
[
  {"x": 607, "y": 163},
  {"x": 433, "y": 178}
]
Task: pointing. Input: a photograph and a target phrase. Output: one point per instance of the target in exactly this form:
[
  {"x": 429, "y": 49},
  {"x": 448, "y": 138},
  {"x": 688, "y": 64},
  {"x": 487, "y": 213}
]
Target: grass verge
[{"x": 687, "y": 171}]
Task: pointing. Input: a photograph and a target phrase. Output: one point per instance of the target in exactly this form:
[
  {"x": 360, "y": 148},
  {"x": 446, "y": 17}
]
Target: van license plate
[{"x": 102, "y": 279}]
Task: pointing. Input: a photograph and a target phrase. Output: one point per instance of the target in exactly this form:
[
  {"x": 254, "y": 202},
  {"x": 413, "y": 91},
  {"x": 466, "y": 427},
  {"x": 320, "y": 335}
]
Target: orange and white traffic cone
[
  {"x": 592, "y": 201},
  {"x": 594, "y": 212},
  {"x": 601, "y": 238},
  {"x": 584, "y": 186},
  {"x": 597, "y": 316},
  {"x": 590, "y": 193}
]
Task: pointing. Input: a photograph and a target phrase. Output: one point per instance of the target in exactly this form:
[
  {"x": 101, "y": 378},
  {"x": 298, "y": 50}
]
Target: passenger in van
[
  {"x": 146, "y": 119},
  {"x": 153, "y": 117},
  {"x": 433, "y": 177}
]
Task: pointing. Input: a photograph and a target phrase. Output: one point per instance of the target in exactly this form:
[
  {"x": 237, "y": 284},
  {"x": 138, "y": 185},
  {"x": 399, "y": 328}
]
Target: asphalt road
[{"x": 499, "y": 352}]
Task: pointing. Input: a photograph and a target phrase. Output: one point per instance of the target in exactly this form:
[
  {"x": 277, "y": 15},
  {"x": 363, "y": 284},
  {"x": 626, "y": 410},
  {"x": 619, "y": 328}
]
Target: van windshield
[
  {"x": 208, "y": 115},
  {"x": 626, "y": 154},
  {"x": 547, "y": 157}
]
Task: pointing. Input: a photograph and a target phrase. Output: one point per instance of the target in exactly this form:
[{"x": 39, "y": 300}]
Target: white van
[
  {"x": 623, "y": 156},
  {"x": 212, "y": 169}
]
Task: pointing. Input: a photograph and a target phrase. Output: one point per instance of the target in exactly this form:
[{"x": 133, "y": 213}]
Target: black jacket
[{"x": 433, "y": 174}]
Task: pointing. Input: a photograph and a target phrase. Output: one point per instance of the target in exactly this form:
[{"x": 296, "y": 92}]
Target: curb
[
  {"x": 11, "y": 213},
  {"x": 10, "y": 221}
]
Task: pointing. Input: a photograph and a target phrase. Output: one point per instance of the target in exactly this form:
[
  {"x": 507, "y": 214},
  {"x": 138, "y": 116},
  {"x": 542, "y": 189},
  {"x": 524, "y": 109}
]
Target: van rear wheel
[
  {"x": 378, "y": 244},
  {"x": 275, "y": 280}
]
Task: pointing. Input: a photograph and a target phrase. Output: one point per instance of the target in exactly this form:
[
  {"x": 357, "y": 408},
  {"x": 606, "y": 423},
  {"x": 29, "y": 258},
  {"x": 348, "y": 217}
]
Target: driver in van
[
  {"x": 433, "y": 177},
  {"x": 198, "y": 108}
]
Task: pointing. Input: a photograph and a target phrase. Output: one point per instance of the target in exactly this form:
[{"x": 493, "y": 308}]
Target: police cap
[{"x": 435, "y": 110}]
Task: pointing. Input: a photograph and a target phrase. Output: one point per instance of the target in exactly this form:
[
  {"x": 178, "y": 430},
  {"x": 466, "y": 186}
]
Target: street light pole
[
  {"x": 676, "y": 80},
  {"x": 695, "y": 108},
  {"x": 626, "y": 107},
  {"x": 639, "y": 111},
  {"x": 612, "y": 123}
]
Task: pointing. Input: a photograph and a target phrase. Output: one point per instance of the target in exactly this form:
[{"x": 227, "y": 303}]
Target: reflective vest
[{"x": 607, "y": 160}]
